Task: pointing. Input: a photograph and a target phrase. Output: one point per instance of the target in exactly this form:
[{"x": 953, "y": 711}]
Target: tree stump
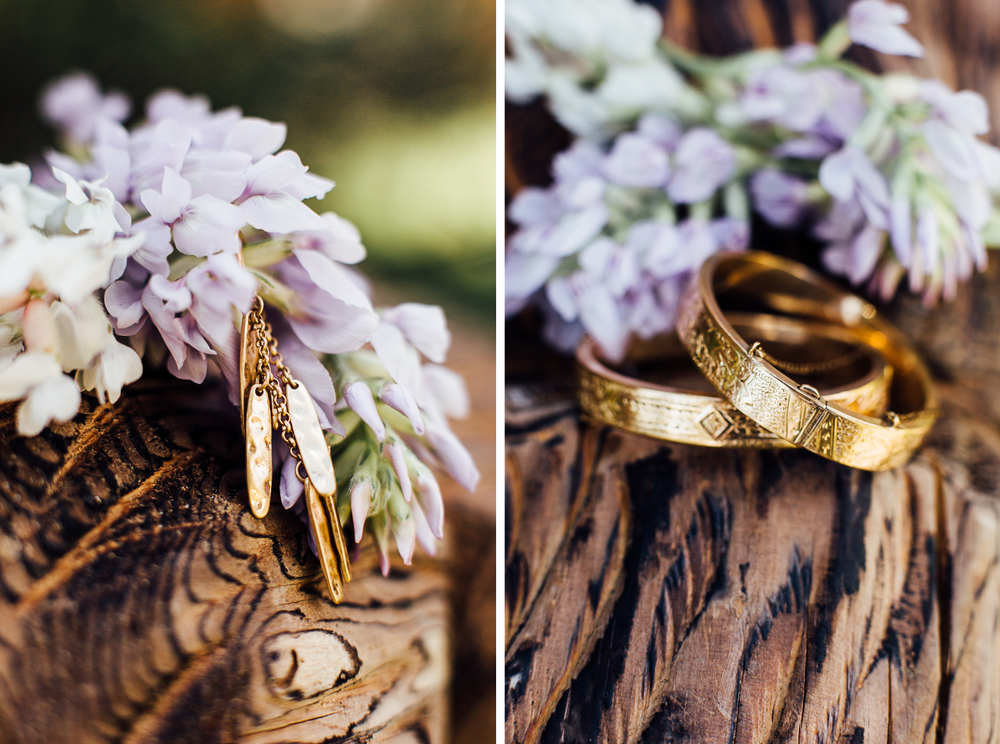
[
  {"x": 141, "y": 601},
  {"x": 658, "y": 592}
]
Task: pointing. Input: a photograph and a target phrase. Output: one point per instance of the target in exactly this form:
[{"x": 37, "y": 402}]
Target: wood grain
[
  {"x": 141, "y": 601},
  {"x": 762, "y": 596}
]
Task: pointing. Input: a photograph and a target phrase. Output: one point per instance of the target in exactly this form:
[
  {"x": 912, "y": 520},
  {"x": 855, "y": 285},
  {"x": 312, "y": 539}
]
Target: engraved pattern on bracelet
[
  {"x": 696, "y": 418},
  {"x": 772, "y": 400},
  {"x": 690, "y": 419}
]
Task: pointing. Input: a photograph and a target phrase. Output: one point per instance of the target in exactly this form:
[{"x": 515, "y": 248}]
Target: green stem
[
  {"x": 266, "y": 253},
  {"x": 834, "y": 44},
  {"x": 733, "y": 67},
  {"x": 181, "y": 264},
  {"x": 274, "y": 292}
]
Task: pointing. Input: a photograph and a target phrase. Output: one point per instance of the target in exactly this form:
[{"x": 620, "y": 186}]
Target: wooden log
[
  {"x": 141, "y": 601},
  {"x": 760, "y": 596},
  {"x": 764, "y": 596}
]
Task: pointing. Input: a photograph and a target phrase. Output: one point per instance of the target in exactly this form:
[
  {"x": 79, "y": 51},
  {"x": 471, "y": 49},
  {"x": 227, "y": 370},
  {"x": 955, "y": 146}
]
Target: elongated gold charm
[
  {"x": 280, "y": 403},
  {"x": 259, "y": 465},
  {"x": 312, "y": 444},
  {"x": 320, "y": 520},
  {"x": 248, "y": 365},
  {"x": 339, "y": 543}
]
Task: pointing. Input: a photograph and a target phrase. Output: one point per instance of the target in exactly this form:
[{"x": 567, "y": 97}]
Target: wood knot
[{"x": 308, "y": 663}]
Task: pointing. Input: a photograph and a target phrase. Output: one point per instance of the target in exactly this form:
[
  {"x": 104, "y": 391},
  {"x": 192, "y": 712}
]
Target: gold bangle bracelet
[
  {"x": 688, "y": 416},
  {"x": 794, "y": 412}
]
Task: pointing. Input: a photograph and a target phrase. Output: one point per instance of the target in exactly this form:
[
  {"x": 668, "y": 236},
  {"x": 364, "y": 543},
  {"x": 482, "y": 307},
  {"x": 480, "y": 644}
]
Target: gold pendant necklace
[{"x": 281, "y": 403}]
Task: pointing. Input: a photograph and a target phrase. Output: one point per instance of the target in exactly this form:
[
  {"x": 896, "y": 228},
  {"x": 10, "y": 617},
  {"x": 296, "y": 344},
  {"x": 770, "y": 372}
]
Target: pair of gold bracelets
[{"x": 794, "y": 361}]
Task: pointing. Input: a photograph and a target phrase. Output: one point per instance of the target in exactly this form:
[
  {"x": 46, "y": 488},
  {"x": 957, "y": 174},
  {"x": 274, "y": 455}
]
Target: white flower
[
  {"x": 48, "y": 393},
  {"x": 403, "y": 333},
  {"x": 39, "y": 204},
  {"x": 91, "y": 207},
  {"x": 116, "y": 366},
  {"x": 616, "y": 29},
  {"x": 82, "y": 332}
]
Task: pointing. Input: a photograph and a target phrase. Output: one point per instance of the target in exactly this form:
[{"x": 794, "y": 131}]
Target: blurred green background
[{"x": 392, "y": 99}]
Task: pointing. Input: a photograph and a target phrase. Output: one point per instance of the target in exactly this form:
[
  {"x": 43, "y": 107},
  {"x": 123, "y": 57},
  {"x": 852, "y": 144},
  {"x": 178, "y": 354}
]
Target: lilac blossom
[
  {"x": 597, "y": 63},
  {"x": 887, "y": 171},
  {"x": 782, "y": 199},
  {"x": 876, "y": 24},
  {"x": 76, "y": 105},
  {"x": 622, "y": 274},
  {"x": 176, "y": 224},
  {"x": 637, "y": 162},
  {"x": 703, "y": 162}
]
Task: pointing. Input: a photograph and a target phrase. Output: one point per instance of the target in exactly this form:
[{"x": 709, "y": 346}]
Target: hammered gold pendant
[
  {"x": 281, "y": 403},
  {"x": 309, "y": 436},
  {"x": 259, "y": 466},
  {"x": 332, "y": 550},
  {"x": 248, "y": 365}
]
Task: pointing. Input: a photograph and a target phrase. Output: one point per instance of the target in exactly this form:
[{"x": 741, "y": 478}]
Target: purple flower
[
  {"x": 782, "y": 95},
  {"x": 581, "y": 160},
  {"x": 965, "y": 111},
  {"x": 731, "y": 234},
  {"x": 782, "y": 200},
  {"x": 403, "y": 334},
  {"x": 359, "y": 397},
  {"x": 331, "y": 313},
  {"x": 153, "y": 149},
  {"x": 876, "y": 24},
  {"x": 423, "y": 326},
  {"x": 198, "y": 226},
  {"x": 900, "y": 230},
  {"x": 453, "y": 455},
  {"x": 637, "y": 162},
  {"x": 258, "y": 138},
  {"x": 524, "y": 275},
  {"x": 290, "y": 488},
  {"x": 953, "y": 149},
  {"x": 561, "y": 222},
  {"x": 166, "y": 303},
  {"x": 703, "y": 162},
  {"x": 443, "y": 393},
  {"x": 74, "y": 104},
  {"x": 218, "y": 285},
  {"x": 124, "y": 303},
  {"x": 208, "y": 129},
  {"x": 660, "y": 130},
  {"x": 849, "y": 173},
  {"x": 856, "y": 259},
  {"x": 582, "y": 297},
  {"x": 276, "y": 186},
  {"x": 340, "y": 241},
  {"x": 400, "y": 399}
]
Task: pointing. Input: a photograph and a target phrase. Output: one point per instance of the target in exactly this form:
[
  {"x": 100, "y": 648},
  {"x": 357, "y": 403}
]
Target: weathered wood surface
[
  {"x": 666, "y": 593},
  {"x": 141, "y": 601}
]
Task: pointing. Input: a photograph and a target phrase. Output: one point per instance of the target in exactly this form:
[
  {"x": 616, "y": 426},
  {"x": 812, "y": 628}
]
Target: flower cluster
[
  {"x": 162, "y": 235},
  {"x": 55, "y": 252},
  {"x": 607, "y": 240},
  {"x": 674, "y": 150}
]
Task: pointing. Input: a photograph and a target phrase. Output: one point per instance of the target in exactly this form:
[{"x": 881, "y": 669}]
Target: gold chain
[
  {"x": 811, "y": 368},
  {"x": 268, "y": 354}
]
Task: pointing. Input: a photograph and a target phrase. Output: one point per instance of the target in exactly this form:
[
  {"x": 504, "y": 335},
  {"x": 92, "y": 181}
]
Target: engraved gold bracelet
[
  {"x": 675, "y": 414},
  {"x": 797, "y": 413}
]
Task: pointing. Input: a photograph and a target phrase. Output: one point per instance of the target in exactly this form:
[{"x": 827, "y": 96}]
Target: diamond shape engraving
[{"x": 716, "y": 422}]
